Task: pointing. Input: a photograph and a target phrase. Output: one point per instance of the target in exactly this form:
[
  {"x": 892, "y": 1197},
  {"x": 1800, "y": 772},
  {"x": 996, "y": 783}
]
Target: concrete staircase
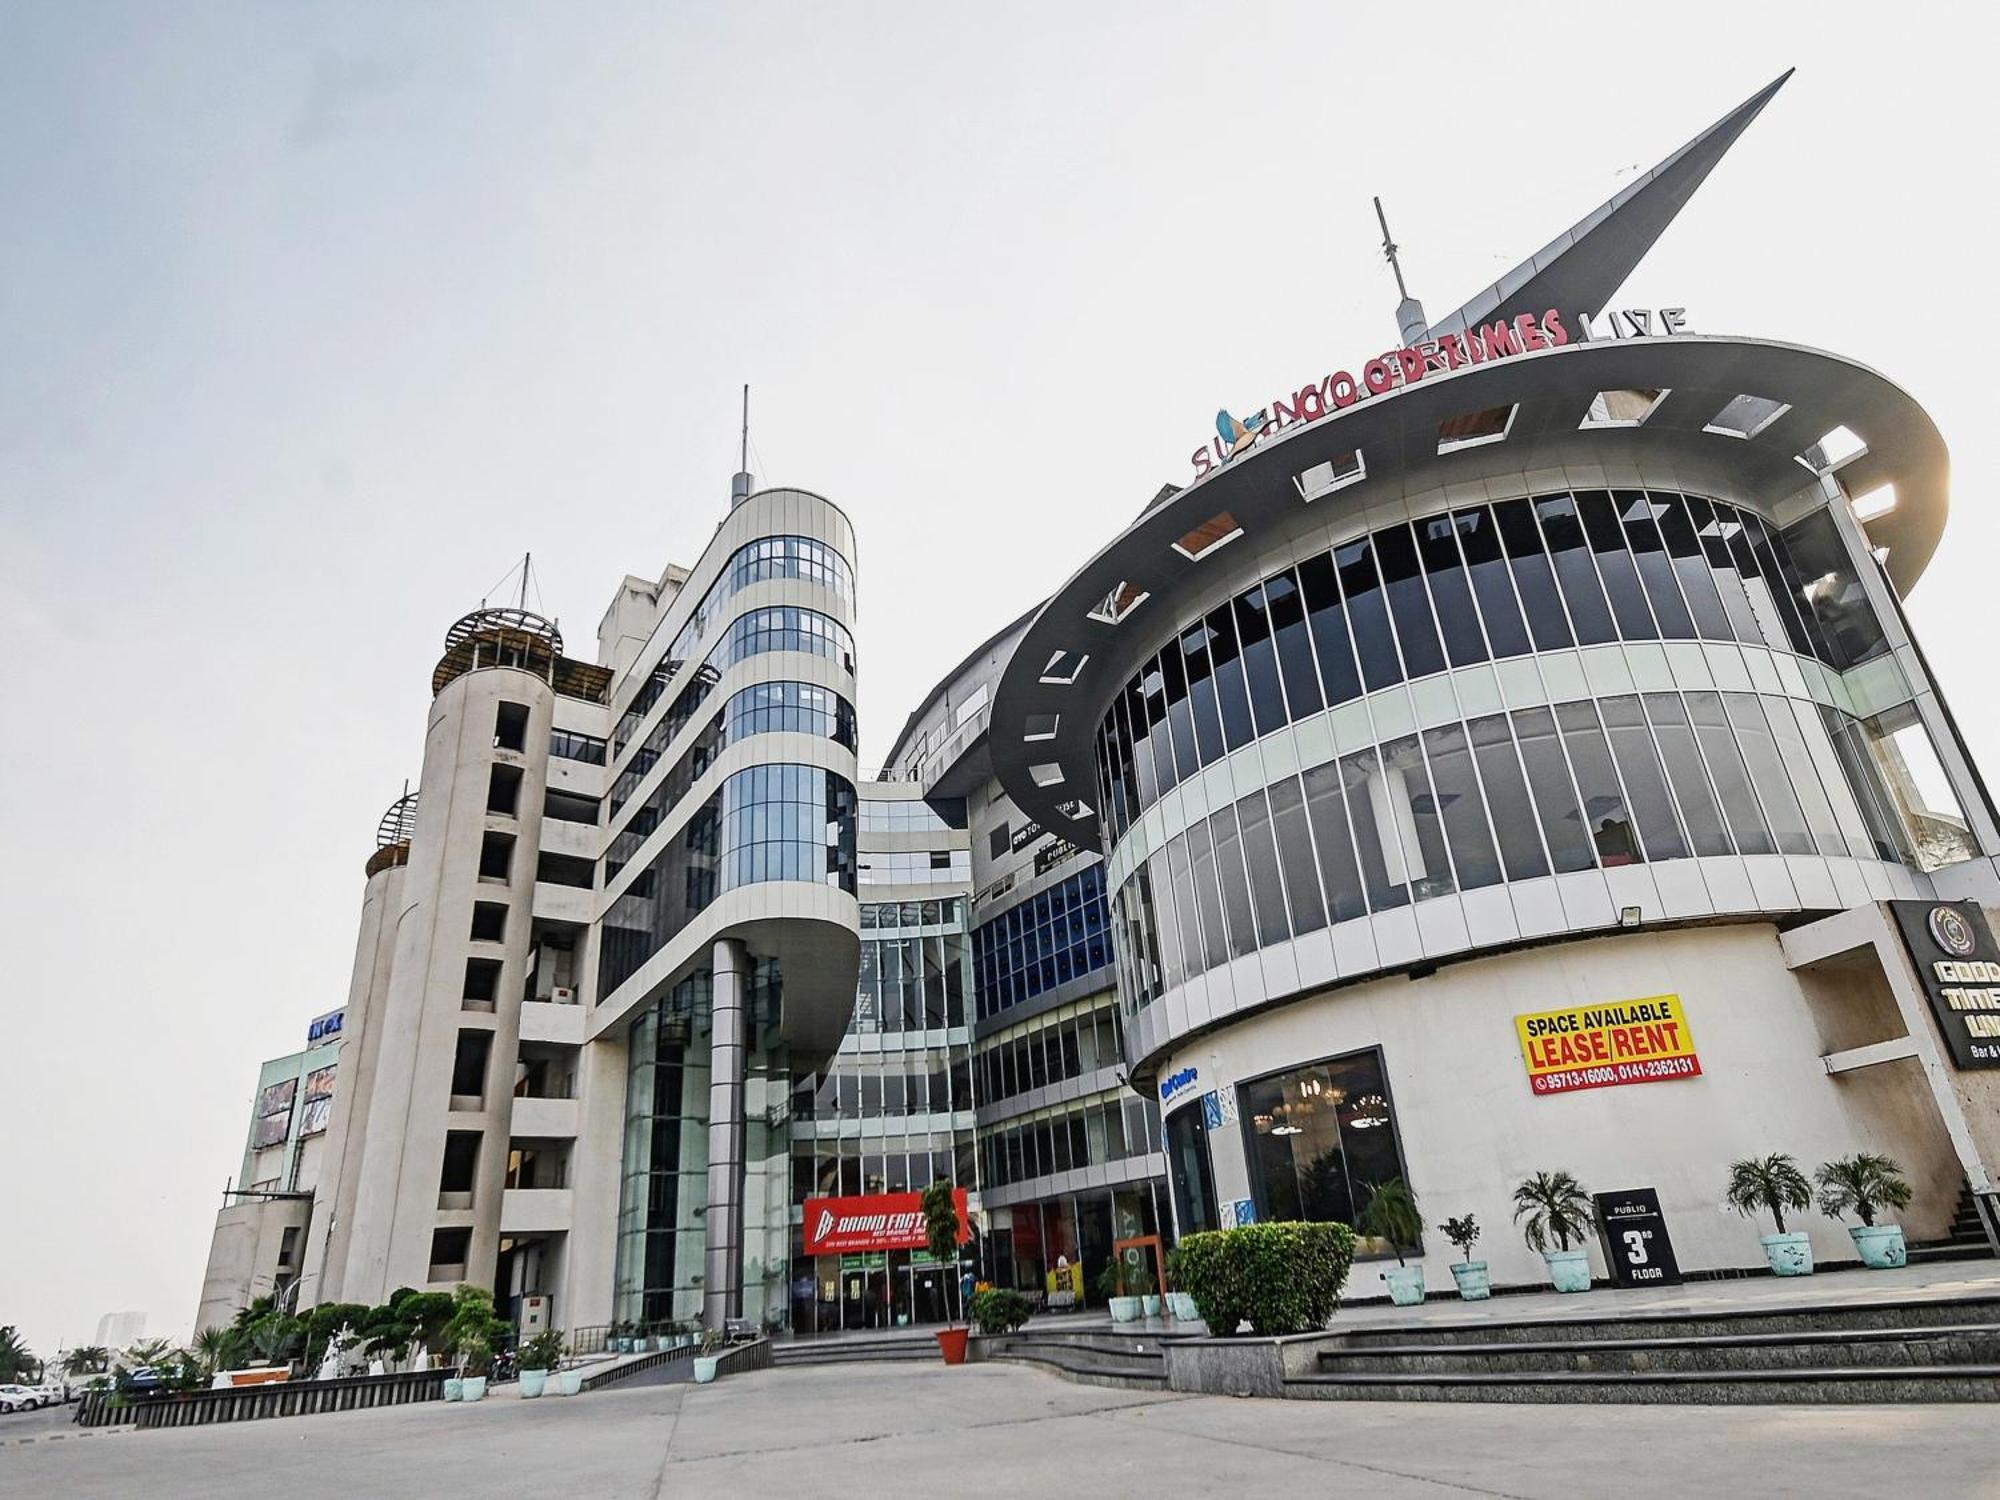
[
  {"x": 1965, "y": 1240},
  {"x": 1945, "y": 1349},
  {"x": 862, "y": 1348},
  {"x": 1122, "y": 1361}
]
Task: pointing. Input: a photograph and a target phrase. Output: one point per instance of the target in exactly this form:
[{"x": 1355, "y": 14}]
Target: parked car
[{"x": 24, "y": 1397}]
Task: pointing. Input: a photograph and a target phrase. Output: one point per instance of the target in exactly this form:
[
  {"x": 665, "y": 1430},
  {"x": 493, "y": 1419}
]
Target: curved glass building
[{"x": 1528, "y": 714}]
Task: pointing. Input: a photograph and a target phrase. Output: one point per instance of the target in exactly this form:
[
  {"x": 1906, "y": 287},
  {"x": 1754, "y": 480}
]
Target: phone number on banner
[{"x": 1632, "y": 1072}]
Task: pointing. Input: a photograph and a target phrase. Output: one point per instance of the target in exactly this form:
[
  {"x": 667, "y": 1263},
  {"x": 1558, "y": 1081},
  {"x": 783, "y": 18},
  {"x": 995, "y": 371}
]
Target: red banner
[{"x": 873, "y": 1221}]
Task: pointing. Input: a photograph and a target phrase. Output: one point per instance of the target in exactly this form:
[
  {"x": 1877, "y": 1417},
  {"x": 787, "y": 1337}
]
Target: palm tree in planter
[
  {"x": 1557, "y": 1207},
  {"x": 1859, "y": 1185},
  {"x": 1392, "y": 1215},
  {"x": 1772, "y": 1184},
  {"x": 1470, "y": 1274},
  {"x": 941, "y": 1232}
]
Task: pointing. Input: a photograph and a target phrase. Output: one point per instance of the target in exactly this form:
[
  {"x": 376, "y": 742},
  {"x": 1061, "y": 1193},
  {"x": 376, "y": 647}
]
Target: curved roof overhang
[{"x": 1070, "y": 660}]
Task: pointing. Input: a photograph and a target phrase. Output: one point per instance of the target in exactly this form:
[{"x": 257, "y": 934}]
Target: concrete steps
[
  {"x": 836, "y": 1351},
  {"x": 1119, "y": 1361},
  {"x": 1945, "y": 1349}
]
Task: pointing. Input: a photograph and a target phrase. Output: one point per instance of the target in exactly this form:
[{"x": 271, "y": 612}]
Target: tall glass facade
[{"x": 1472, "y": 585}]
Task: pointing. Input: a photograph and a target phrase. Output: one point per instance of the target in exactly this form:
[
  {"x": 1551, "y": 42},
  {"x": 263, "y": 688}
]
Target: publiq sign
[
  {"x": 873, "y": 1221},
  {"x": 1602, "y": 1046}
]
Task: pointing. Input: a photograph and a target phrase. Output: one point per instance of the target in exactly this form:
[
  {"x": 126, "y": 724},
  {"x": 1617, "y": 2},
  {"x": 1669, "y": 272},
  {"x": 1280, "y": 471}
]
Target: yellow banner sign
[{"x": 1602, "y": 1046}]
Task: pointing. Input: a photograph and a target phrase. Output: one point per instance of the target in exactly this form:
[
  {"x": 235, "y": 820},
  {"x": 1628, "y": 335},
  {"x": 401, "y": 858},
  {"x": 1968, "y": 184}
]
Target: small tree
[
  {"x": 474, "y": 1330},
  {"x": 941, "y": 1229},
  {"x": 1772, "y": 1183},
  {"x": 1556, "y": 1206},
  {"x": 88, "y": 1359},
  {"x": 1464, "y": 1233},
  {"x": 17, "y": 1362},
  {"x": 1392, "y": 1215},
  {"x": 1859, "y": 1185}
]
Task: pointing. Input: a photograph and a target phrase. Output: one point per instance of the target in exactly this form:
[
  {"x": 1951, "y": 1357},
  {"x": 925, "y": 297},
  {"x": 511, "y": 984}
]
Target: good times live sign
[
  {"x": 1955, "y": 956},
  {"x": 1603, "y": 1046}
]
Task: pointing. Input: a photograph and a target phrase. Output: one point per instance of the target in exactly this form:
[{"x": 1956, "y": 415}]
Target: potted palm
[
  {"x": 1859, "y": 1185},
  {"x": 941, "y": 1231},
  {"x": 540, "y": 1355},
  {"x": 1773, "y": 1184},
  {"x": 1110, "y": 1285},
  {"x": 1557, "y": 1207},
  {"x": 1392, "y": 1216},
  {"x": 1470, "y": 1274}
]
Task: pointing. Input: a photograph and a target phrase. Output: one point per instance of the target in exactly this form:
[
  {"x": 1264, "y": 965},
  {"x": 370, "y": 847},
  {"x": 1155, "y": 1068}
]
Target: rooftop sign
[{"x": 1448, "y": 351}]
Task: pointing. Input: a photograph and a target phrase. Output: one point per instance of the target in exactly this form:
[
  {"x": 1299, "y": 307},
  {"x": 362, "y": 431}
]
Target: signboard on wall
[
  {"x": 1637, "y": 1247},
  {"x": 873, "y": 1221},
  {"x": 1953, "y": 950},
  {"x": 1603, "y": 1046}
]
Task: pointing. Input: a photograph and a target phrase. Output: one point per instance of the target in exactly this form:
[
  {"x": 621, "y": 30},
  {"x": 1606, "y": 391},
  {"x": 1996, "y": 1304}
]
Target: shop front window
[
  {"x": 1189, "y": 1175},
  {"x": 1320, "y": 1139}
]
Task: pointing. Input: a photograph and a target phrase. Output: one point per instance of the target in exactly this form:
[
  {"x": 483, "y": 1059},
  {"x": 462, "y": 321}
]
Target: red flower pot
[{"x": 952, "y": 1342}]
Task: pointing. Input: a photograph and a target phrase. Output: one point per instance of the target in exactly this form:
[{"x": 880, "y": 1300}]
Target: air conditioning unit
[{"x": 562, "y": 995}]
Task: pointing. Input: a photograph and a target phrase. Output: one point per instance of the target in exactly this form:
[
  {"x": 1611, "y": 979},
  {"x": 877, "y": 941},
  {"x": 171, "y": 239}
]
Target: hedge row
[{"x": 1279, "y": 1278}]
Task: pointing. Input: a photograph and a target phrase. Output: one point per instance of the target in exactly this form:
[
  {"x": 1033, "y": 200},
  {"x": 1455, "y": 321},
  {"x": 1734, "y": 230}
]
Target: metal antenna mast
[
  {"x": 1410, "y": 320},
  {"x": 741, "y": 485}
]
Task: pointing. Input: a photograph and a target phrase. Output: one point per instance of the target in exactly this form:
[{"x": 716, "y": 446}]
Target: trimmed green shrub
[
  {"x": 1279, "y": 1278},
  {"x": 1000, "y": 1310}
]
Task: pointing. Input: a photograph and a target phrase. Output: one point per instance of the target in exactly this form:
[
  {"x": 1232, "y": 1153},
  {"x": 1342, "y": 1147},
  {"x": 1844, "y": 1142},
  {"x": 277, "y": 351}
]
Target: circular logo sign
[{"x": 1952, "y": 932}]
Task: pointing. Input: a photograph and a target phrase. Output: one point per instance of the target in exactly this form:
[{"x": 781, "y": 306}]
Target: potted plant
[
  {"x": 475, "y": 1358},
  {"x": 1470, "y": 1274},
  {"x": 1392, "y": 1215},
  {"x": 1139, "y": 1284},
  {"x": 1774, "y": 1183},
  {"x": 471, "y": 1333},
  {"x": 1557, "y": 1207},
  {"x": 540, "y": 1355},
  {"x": 1859, "y": 1185},
  {"x": 706, "y": 1360},
  {"x": 941, "y": 1230},
  {"x": 1124, "y": 1309}
]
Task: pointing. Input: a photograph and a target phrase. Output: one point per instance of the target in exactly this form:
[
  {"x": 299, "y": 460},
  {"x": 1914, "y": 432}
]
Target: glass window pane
[
  {"x": 1797, "y": 758},
  {"x": 1260, "y": 661},
  {"x": 1180, "y": 718},
  {"x": 1534, "y": 576},
  {"x": 1690, "y": 567},
  {"x": 1727, "y": 771},
  {"x": 1699, "y": 811},
  {"x": 1234, "y": 880},
  {"x": 1412, "y": 814},
  {"x": 1295, "y": 654},
  {"x": 1372, "y": 818},
  {"x": 1615, "y": 565},
  {"x": 1207, "y": 900},
  {"x": 1232, "y": 696},
  {"x": 1714, "y": 526},
  {"x": 1563, "y": 828},
  {"x": 1645, "y": 781},
  {"x": 1295, "y": 855},
  {"x": 1201, "y": 693},
  {"x": 1368, "y": 615},
  {"x": 1260, "y": 853},
  {"x": 1455, "y": 788},
  {"x": 1767, "y": 773},
  {"x": 1173, "y": 972},
  {"x": 1919, "y": 789},
  {"x": 1327, "y": 616},
  {"x": 1597, "y": 783},
  {"x": 1451, "y": 592},
  {"x": 1656, "y": 570},
  {"x": 1189, "y": 927},
  {"x": 1854, "y": 827},
  {"x": 1563, "y": 531},
  {"x": 1479, "y": 541},
  {"x": 1396, "y": 551},
  {"x": 1774, "y": 549},
  {"x": 1327, "y": 809},
  {"x": 1752, "y": 548},
  {"x": 1885, "y": 830},
  {"x": 1142, "y": 748},
  {"x": 1832, "y": 590},
  {"x": 1507, "y": 799}
]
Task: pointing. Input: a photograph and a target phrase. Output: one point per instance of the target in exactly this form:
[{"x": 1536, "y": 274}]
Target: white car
[{"x": 24, "y": 1397}]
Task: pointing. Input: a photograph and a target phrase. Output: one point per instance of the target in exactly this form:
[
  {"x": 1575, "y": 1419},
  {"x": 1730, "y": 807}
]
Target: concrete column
[{"x": 722, "y": 1278}]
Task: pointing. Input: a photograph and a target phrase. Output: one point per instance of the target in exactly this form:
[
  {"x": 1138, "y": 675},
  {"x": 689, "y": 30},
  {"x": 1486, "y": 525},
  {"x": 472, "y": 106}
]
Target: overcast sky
[{"x": 313, "y": 319}]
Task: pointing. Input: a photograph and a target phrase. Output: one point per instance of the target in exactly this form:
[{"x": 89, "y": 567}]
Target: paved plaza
[{"x": 908, "y": 1429}]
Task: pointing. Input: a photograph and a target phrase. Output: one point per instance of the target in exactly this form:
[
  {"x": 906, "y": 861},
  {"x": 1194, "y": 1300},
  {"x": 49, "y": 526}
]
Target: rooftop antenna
[
  {"x": 527, "y": 561},
  {"x": 1410, "y": 320},
  {"x": 741, "y": 485}
]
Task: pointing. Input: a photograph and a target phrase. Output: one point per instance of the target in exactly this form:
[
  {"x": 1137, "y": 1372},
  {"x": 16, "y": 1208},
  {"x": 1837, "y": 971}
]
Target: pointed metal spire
[
  {"x": 1581, "y": 269},
  {"x": 1409, "y": 312}
]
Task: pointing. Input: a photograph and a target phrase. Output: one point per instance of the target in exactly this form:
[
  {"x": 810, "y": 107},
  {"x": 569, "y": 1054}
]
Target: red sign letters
[{"x": 875, "y": 1221}]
